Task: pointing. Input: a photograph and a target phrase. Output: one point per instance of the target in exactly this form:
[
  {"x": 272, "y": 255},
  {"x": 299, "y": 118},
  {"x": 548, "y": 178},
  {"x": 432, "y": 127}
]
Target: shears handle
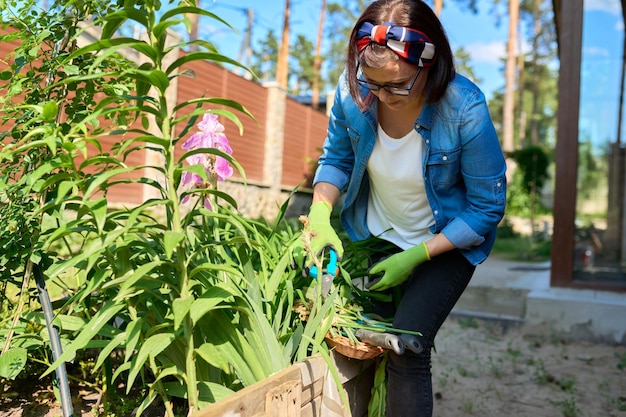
[
  {"x": 331, "y": 266},
  {"x": 382, "y": 339}
]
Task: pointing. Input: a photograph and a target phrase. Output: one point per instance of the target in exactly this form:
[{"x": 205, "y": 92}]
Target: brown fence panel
[
  {"x": 209, "y": 80},
  {"x": 305, "y": 131},
  {"x": 305, "y": 128}
]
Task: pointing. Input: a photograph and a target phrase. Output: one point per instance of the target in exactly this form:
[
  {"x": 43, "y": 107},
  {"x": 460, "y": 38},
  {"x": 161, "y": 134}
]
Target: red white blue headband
[{"x": 409, "y": 44}]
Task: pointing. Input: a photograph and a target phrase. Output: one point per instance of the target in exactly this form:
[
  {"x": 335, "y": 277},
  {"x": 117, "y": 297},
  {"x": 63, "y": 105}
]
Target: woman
[{"x": 412, "y": 145}]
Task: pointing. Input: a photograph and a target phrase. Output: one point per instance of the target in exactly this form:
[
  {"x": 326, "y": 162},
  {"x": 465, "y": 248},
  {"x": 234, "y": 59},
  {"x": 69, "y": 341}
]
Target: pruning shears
[
  {"x": 329, "y": 272},
  {"x": 386, "y": 340}
]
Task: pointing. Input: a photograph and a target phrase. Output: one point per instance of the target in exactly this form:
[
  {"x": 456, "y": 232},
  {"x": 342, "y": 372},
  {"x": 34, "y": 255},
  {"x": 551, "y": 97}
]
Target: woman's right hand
[{"x": 318, "y": 234}]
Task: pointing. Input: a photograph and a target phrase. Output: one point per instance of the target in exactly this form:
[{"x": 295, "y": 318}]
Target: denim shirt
[{"x": 463, "y": 165}]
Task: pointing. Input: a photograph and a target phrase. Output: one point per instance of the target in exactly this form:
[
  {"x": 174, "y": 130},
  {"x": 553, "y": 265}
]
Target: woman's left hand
[{"x": 397, "y": 268}]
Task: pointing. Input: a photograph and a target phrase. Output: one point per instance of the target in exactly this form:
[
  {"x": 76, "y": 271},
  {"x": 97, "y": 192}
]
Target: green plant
[
  {"x": 495, "y": 367},
  {"x": 567, "y": 383},
  {"x": 541, "y": 374},
  {"x": 184, "y": 299},
  {"x": 468, "y": 406},
  {"x": 197, "y": 300},
  {"x": 468, "y": 323},
  {"x": 621, "y": 364},
  {"x": 569, "y": 408}
]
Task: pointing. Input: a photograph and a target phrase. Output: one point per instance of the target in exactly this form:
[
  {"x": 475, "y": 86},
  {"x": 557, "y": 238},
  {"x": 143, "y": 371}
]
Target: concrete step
[
  {"x": 494, "y": 301},
  {"x": 514, "y": 294}
]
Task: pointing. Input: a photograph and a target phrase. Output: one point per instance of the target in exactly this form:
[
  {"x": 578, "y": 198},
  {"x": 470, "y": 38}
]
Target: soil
[
  {"x": 481, "y": 370},
  {"x": 478, "y": 370}
]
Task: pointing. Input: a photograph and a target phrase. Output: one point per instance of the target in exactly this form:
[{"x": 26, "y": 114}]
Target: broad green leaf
[
  {"x": 192, "y": 10},
  {"x": 148, "y": 399},
  {"x": 210, "y": 299},
  {"x": 277, "y": 276},
  {"x": 133, "y": 334},
  {"x": 120, "y": 369},
  {"x": 105, "y": 353},
  {"x": 71, "y": 69},
  {"x": 98, "y": 210},
  {"x": 201, "y": 56},
  {"x": 171, "y": 240},
  {"x": 129, "y": 279},
  {"x": 156, "y": 78},
  {"x": 50, "y": 111},
  {"x": 102, "y": 317},
  {"x": 180, "y": 308},
  {"x": 12, "y": 362},
  {"x": 151, "y": 347},
  {"x": 69, "y": 323},
  {"x": 101, "y": 160},
  {"x": 213, "y": 356},
  {"x": 209, "y": 392},
  {"x": 319, "y": 322},
  {"x": 90, "y": 254}
]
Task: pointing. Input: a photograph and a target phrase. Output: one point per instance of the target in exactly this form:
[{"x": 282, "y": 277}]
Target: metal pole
[{"x": 55, "y": 343}]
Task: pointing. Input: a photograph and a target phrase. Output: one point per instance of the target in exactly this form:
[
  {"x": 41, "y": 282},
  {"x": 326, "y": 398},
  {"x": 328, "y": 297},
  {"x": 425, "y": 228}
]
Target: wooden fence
[{"x": 278, "y": 148}]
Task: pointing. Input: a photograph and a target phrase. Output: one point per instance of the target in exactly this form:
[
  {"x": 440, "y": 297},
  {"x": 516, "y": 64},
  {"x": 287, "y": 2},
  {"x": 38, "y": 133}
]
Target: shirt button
[
  {"x": 499, "y": 184},
  {"x": 445, "y": 158},
  {"x": 436, "y": 212}
]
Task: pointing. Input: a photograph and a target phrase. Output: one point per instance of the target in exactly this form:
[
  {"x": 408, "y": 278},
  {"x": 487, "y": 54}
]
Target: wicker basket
[{"x": 345, "y": 347}]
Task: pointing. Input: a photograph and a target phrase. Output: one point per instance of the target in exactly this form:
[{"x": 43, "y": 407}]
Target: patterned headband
[{"x": 409, "y": 44}]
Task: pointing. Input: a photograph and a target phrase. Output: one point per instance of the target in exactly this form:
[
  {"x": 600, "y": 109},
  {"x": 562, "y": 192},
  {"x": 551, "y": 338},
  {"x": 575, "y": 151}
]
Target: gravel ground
[{"x": 479, "y": 370}]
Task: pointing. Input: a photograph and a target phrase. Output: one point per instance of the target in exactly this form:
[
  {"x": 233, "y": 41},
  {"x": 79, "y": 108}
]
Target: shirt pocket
[{"x": 444, "y": 167}]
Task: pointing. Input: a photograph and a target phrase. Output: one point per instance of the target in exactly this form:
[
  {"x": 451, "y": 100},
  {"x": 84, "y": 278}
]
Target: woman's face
[{"x": 397, "y": 73}]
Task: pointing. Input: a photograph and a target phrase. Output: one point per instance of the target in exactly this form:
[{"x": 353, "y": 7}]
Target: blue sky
[
  {"x": 479, "y": 34},
  {"x": 603, "y": 34},
  {"x": 483, "y": 35}
]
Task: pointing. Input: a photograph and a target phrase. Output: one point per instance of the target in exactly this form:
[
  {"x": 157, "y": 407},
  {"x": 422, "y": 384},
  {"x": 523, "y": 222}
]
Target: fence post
[{"x": 274, "y": 137}]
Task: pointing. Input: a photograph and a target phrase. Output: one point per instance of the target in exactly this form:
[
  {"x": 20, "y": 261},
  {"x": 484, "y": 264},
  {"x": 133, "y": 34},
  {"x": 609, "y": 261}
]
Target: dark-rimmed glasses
[{"x": 391, "y": 89}]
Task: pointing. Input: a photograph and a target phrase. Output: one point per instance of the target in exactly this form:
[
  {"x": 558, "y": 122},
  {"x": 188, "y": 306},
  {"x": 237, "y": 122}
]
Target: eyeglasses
[{"x": 392, "y": 89}]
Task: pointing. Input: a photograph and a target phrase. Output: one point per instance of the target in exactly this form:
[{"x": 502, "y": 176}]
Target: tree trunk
[
  {"x": 193, "y": 29},
  {"x": 509, "y": 92},
  {"x": 245, "y": 52},
  {"x": 437, "y": 7},
  {"x": 534, "y": 123},
  {"x": 317, "y": 61},
  {"x": 282, "y": 67},
  {"x": 523, "y": 117}
]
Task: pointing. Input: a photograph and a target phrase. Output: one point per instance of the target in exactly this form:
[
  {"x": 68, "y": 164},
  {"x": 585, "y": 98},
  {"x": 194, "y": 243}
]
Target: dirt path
[
  {"x": 477, "y": 371},
  {"x": 480, "y": 371}
]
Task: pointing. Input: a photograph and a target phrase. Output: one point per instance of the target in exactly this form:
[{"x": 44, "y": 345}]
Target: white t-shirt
[{"x": 398, "y": 209}]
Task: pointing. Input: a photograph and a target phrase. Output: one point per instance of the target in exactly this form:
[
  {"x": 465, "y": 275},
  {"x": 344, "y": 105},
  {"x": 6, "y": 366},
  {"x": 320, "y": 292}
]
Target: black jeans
[{"x": 426, "y": 299}]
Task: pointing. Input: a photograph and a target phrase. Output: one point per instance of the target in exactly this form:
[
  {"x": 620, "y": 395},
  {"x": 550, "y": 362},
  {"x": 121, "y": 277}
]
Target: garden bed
[{"x": 477, "y": 370}]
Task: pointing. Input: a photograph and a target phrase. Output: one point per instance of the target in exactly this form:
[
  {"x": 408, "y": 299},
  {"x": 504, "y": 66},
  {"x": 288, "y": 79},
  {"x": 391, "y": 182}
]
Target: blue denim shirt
[{"x": 463, "y": 165}]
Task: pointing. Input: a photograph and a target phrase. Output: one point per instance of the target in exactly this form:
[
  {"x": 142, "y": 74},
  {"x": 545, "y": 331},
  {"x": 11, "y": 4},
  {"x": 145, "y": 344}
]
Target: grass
[{"x": 522, "y": 248}]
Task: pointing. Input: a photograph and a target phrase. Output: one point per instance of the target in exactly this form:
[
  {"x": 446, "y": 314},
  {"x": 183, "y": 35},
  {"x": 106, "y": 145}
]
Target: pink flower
[
  {"x": 209, "y": 123},
  {"x": 216, "y": 167}
]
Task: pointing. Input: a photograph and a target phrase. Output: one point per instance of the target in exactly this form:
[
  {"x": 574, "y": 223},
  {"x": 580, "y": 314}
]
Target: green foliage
[
  {"x": 621, "y": 365},
  {"x": 377, "y": 404},
  {"x": 198, "y": 301},
  {"x": 193, "y": 303},
  {"x": 266, "y": 57},
  {"x": 523, "y": 248},
  {"x": 533, "y": 163},
  {"x": 593, "y": 170}
]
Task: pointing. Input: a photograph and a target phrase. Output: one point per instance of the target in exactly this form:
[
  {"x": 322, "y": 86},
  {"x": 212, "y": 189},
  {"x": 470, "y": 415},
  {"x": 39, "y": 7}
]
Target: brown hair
[{"x": 414, "y": 14}]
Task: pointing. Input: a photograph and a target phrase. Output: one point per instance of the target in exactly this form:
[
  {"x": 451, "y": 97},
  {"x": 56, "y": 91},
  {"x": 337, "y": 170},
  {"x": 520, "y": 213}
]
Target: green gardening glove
[
  {"x": 321, "y": 235},
  {"x": 397, "y": 268}
]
